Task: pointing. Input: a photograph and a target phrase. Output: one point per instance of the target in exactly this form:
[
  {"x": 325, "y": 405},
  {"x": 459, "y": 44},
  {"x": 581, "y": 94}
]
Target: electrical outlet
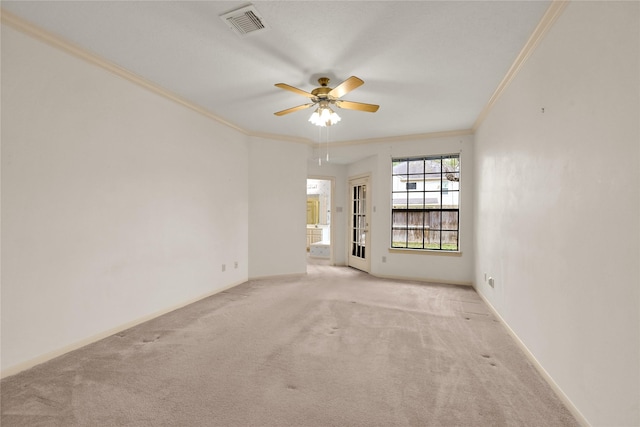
[
  {"x": 224, "y": 267},
  {"x": 384, "y": 259},
  {"x": 491, "y": 282},
  {"x": 235, "y": 264}
]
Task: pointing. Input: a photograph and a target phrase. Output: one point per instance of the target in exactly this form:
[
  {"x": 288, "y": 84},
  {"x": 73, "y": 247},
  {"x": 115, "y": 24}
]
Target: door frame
[
  {"x": 332, "y": 208},
  {"x": 351, "y": 182}
]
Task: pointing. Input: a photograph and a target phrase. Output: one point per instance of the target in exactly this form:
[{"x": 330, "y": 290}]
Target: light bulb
[{"x": 324, "y": 116}]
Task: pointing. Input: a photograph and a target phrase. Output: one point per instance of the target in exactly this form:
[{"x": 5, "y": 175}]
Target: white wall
[
  {"x": 277, "y": 207},
  {"x": 557, "y": 208},
  {"x": 117, "y": 203},
  {"x": 376, "y": 161}
]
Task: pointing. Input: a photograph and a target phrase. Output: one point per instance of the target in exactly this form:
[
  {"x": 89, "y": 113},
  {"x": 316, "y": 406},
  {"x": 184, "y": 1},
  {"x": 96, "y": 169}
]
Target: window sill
[{"x": 424, "y": 252}]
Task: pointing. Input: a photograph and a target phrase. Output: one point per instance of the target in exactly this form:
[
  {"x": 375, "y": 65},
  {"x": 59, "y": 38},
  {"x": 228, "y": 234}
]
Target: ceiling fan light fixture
[{"x": 324, "y": 116}]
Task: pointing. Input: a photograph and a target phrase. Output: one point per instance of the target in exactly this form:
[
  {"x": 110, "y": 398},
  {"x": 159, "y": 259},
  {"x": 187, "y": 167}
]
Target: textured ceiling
[{"x": 432, "y": 66}]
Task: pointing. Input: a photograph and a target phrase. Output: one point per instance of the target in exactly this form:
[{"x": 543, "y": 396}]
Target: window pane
[
  {"x": 416, "y": 167},
  {"x": 361, "y": 222},
  {"x": 433, "y": 240},
  {"x": 450, "y": 240},
  {"x": 433, "y": 219},
  {"x": 400, "y": 200},
  {"x": 450, "y": 220},
  {"x": 432, "y": 199},
  {"x": 399, "y": 218},
  {"x": 399, "y": 239},
  {"x": 415, "y": 200},
  {"x": 432, "y": 182},
  {"x": 397, "y": 164},
  {"x": 451, "y": 164},
  {"x": 416, "y": 236},
  {"x": 433, "y": 166},
  {"x": 451, "y": 200},
  {"x": 415, "y": 219}
]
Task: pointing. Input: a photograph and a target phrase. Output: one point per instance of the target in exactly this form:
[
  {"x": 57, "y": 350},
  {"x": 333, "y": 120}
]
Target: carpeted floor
[{"x": 336, "y": 347}]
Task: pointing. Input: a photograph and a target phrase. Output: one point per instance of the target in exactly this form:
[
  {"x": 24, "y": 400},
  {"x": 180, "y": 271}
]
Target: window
[{"x": 425, "y": 203}]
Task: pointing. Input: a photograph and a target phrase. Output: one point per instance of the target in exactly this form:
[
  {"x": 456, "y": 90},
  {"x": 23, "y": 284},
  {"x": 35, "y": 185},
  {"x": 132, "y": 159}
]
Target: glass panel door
[{"x": 359, "y": 224}]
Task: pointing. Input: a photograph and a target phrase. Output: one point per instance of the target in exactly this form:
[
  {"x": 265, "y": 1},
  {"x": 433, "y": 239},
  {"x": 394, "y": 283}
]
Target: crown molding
[
  {"x": 285, "y": 138},
  {"x": 552, "y": 13},
  {"x": 400, "y": 138},
  {"x": 381, "y": 140}
]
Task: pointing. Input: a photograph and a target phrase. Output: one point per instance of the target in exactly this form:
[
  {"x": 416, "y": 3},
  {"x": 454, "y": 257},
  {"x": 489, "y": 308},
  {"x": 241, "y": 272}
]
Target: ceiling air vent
[{"x": 245, "y": 20}]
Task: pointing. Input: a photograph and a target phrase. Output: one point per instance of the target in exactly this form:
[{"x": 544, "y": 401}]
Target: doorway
[
  {"x": 359, "y": 238},
  {"x": 319, "y": 205}
]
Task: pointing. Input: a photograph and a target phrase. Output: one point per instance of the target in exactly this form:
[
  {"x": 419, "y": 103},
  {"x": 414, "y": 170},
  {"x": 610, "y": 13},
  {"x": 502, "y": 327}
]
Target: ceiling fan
[{"x": 324, "y": 96}]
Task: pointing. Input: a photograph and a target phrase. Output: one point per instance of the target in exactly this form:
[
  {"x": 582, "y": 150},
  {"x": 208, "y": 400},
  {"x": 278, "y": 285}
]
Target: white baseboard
[
  {"x": 12, "y": 370},
  {"x": 421, "y": 279},
  {"x": 279, "y": 276},
  {"x": 557, "y": 390}
]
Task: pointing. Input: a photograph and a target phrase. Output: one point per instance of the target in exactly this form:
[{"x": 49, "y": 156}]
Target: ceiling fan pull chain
[
  {"x": 327, "y": 146},
  {"x": 319, "y": 146}
]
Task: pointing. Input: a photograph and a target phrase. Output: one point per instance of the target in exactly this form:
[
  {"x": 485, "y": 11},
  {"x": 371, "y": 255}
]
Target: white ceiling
[{"x": 432, "y": 66}]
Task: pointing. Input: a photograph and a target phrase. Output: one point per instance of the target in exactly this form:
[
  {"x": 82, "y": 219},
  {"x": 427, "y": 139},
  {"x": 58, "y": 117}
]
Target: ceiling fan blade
[
  {"x": 294, "y": 109},
  {"x": 348, "y": 105},
  {"x": 346, "y": 86},
  {"x": 294, "y": 89}
]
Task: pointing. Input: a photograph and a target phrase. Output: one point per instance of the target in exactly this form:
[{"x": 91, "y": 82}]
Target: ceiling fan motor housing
[{"x": 322, "y": 92}]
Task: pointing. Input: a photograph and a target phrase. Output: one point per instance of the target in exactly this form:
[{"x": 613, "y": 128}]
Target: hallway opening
[{"x": 319, "y": 208}]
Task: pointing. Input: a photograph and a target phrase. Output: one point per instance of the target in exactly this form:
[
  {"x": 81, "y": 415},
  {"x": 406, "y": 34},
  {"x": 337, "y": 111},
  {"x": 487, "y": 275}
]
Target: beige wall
[
  {"x": 117, "y": 204},
  {"x": 277, "y": 207},
  {"x": 557, "y": 207}
]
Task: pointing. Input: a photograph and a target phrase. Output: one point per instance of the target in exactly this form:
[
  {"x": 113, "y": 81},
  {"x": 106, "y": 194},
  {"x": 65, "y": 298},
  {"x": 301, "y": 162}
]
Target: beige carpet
[{"x": 334, "y": 348}]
